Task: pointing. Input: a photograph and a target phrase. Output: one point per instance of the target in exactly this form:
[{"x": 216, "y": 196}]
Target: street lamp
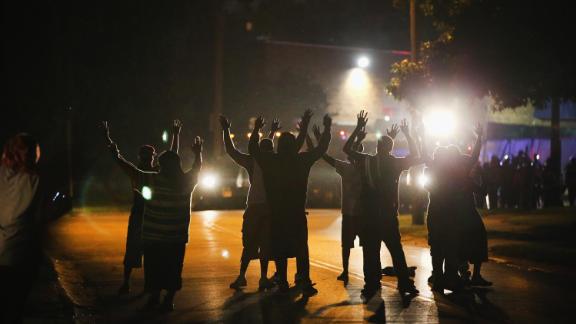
[{"x": 363, "y": 62}]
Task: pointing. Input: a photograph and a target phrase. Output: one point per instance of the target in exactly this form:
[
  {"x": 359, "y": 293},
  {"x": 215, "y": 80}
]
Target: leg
[
  {"x": 392, "y": 239},
  {"x": 241, "y": 279},
  {"x": 281, "y": 274},
  {"x": 477, "y": 279},
  {"x": 371, "y": 267},
  {"x": 345, "y": 261},
  {"x": 125, "y": 288}
]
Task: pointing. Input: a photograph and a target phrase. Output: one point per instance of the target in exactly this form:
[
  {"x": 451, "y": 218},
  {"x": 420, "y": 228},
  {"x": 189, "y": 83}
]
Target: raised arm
[
  {"x": 176, "y": 128},
  {"x": 192, "y": 174},
  {"x": 316, "y": 130},
  {"x": 128, "y": 168},
  {"x": 479, "y": 130},
  {"x": 275, "y": 127},
  {"x": 360, "y": 124},
  {"x": 303, "y": 128},
  {"x": 412, "y": 148},
  {"x": 324, "y": 140},
  {"x": 253, "y": 146},
  {"x": 238, "y": 157}
]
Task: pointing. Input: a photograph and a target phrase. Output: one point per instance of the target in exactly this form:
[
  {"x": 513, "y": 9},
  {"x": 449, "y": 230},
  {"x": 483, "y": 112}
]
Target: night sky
[{"x": 139, "y": 64}]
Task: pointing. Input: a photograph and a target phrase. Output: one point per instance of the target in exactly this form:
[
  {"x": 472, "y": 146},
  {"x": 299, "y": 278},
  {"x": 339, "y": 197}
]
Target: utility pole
[
  {"x": 413, "y": 42},
  {"x": 69, "y": 151},
  {"x": 217, "y": 82}
]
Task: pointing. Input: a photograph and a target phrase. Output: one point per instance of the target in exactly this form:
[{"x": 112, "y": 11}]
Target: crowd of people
[
  {"x": 274, "y": 225},
  {"x": 521, "y": 182}
]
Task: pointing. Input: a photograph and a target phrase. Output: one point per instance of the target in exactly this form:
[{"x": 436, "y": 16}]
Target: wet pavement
[{"x": 89, "y": 247}]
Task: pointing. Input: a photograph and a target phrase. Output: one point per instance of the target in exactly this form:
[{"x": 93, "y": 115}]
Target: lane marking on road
[{"x": 321, "y": 264}]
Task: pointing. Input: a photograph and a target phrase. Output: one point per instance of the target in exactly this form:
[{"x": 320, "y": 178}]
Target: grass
[{"x": 545, "y": 237}]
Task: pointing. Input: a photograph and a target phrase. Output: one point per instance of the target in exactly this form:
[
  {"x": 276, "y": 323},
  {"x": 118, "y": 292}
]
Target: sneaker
[
  {"x": 124, "y": 289},
  {"x": 368, "y": 292},
  {"x": 152, "y": 302},
  {"x": 265, "y": 284},
  {"x": 343, "y": 277},
  {"x": 479, "y": 281},
  {"x": 283, "y": 287},
  {"x": 407, "y": 287},
  {"x": 238, "y": 283},
  {"x": 308, "y": 290},
  {"x": 167, "y": 307}
]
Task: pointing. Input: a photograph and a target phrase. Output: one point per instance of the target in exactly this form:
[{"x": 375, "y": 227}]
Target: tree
[{"x": 514, "y": 51}]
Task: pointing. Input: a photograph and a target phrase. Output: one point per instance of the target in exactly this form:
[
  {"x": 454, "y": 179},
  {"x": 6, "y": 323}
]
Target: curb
[{"x": 74, "y": 292}]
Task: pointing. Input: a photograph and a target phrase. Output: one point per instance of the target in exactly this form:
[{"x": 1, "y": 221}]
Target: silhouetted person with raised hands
[
  {"x": 133, "y": 254},
  {"x": 351, "y": 189},
  {"x": 286, "y": 181},
  {"x": 379, "y": 221},
  {"x": 166, "y": 218},
  {"x": 255, "y": 223}
]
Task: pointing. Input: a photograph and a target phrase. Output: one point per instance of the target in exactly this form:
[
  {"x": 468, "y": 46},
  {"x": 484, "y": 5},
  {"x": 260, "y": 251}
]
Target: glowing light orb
[
  {"x": 209, "y": 181},
  {"x": 225, "y": 254},
  {"x": 439, "y": 122},
  {"x": 146, "y": 193},
  {"x": 387, "y": 118},
  {"x": 363, "y": 62},
  {"x": 278, "y": 134},
  {"x": 423, "y": 180},
  {"x": 165, "y": 136}
]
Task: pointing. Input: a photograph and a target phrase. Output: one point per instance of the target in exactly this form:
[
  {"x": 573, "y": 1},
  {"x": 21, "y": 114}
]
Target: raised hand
[
  {"x": 404, "y": 127},
  {"x": 393, "y": 131},
  {"x": 327, "y": 121},
  {"x": 362, "y": 119},
  {"x": 224, "y": 122},
  {"x": 316, "y": 131},
  {"x": 275, "y": 125},
  {"x": 305, "y": 120},
  {"x": 259, "y": 123},
  {"x": 479, "y": 130},
  {"x": 177, "y": 126},
  {"x": 197, "y": 145},
  {"x": 361, "y": 135},
  {"x": 106, "y": 130}
]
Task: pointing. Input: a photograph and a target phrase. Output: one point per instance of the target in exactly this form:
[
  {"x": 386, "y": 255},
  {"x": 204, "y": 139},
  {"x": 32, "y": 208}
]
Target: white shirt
[{"x": 17, "y": 193}]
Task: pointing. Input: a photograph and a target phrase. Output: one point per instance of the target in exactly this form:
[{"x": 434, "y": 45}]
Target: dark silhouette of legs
[
  {"x": 125, "y": 288},
  {"x": 345, "y": 261}
]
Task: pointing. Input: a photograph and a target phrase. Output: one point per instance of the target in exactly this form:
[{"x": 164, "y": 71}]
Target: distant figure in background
[
  {"x": 255, "y": 223},
  {"x": 21, "y": 219},
  {"x": 551, "y": 185},
  {"x": 286, "y": 180},
  {"x": 351, "y": 188},
  {"x": 166, "y": 218},
  {"x": 492, "y": 179},
  {"x": 570, "y": 181},
  {"x": 133, "y": 254},
  {"x": 380, "y": 201}
]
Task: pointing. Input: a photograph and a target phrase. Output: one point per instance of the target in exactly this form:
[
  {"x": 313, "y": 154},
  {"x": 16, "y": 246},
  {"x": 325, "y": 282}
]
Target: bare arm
[
  {"x": 348, "y": 147},
  {"x": 253, "y": 146},
  {"x": 316, "y": 130},
  {"x": 303, "y": 131},
  {"x": 192, "y": 174},
  {"x": 412, "y": 148},
  {"x": 238, "y": 157},
  {"x": 275, "y": 127},
  {"x": 128, "y": 168},
  {"x": 176, "y": 128},
  {"x": 324, "y": 141},
  {"x": 477, "y": 146}
]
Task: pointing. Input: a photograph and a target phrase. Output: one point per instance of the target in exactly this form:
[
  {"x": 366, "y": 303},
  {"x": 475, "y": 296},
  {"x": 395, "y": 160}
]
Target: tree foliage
[{"x": 515, "y": 51}]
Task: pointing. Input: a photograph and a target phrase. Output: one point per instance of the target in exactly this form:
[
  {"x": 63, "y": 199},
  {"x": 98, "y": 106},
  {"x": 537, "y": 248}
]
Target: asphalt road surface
[{"x": 89, "y": 245}]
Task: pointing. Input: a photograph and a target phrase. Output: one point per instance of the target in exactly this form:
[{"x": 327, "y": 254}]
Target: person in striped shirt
[{"x": 166, "y": 218}]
